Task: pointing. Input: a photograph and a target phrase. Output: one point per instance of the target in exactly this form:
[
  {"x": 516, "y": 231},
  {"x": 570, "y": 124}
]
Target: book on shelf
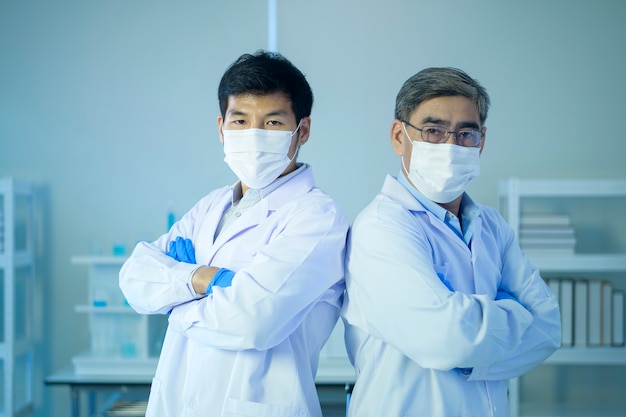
[
  {"x": 543, "y": 239},
  {"x": 547, "y": 243},
  {"x": 546, "y": 232},
  {"x": 555, "y": 286},
  {"x": 617, "y": 337},
  {"x": 544, "y": 219},
  {"x": 581, "y": 292},
  {"x": 536, "y": 253},
  {"x": 594, "y": 312},
  {"x": 607, "y": 313},
  {"x": 566, "y": 302},
  {"x": 548, "y": 249}
]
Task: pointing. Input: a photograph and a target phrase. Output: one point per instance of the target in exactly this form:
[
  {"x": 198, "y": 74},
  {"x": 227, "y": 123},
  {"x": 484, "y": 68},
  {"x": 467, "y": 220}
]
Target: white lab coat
[
  {"x": 408, "y": 335},
  {"x": 250, "y": 349}
]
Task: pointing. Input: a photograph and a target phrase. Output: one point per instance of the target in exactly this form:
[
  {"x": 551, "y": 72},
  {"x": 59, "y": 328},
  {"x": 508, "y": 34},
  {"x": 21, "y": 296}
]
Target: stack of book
[
  {"x": 550, "y": 234},
  {"x": 592, "y": 312}
]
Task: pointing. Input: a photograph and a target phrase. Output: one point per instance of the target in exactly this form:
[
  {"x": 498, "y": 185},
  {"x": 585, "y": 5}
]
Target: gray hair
[{"x": 439, "y": 82}]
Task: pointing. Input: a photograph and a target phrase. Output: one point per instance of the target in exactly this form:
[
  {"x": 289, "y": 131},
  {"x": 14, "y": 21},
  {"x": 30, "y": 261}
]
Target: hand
[
  {"x": 503, "y": 295},
  {"x": 445, "y": 281},
  {"x": 465, "y": 371},
  {"x": 182, "y": 250}
]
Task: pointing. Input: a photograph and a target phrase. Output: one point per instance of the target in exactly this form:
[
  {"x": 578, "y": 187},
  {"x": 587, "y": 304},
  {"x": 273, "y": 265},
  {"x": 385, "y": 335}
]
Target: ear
[
  {"x": 220, "y": 123},
  {"x": 305, "y": 130},
  {"x": 397, "y": 137},
  {"x": 482, "y": 140}
]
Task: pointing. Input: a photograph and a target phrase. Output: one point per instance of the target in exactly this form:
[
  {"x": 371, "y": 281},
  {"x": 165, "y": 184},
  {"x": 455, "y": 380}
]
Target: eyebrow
[
  {"x": 279, "y": 112},
  {"x": 235, "y": 112},
  {"x": 446, "y": 123}
]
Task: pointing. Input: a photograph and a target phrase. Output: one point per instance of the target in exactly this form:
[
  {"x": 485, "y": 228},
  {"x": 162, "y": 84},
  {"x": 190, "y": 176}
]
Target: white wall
[{"x": 110, "y": 106}]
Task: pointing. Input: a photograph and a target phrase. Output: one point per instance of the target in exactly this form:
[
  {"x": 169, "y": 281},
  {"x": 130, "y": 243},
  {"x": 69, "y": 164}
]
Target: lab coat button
[
  {"x": 192, "y": 404},
  {"x": 237, "y": 214}
]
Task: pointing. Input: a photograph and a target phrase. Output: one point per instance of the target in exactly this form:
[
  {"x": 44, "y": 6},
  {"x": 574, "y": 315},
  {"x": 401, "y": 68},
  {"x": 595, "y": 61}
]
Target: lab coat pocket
[{"x": 242, "y": 408}]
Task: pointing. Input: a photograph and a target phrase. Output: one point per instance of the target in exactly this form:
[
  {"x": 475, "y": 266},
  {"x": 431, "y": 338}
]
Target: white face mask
[
  {"x": 442, "y": 171},
  {"x": 257, "y": 156}
]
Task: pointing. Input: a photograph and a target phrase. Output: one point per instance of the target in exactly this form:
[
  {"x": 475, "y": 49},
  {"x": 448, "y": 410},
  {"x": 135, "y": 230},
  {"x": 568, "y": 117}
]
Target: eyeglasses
[{"x": 468, "y": 137}]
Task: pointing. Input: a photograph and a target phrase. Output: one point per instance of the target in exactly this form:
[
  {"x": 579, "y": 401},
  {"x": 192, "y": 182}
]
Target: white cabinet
[
  {"x": 599, "y": 253},
  {"x": 122, "y": 342},
  {"x": 17, "y": 278}
]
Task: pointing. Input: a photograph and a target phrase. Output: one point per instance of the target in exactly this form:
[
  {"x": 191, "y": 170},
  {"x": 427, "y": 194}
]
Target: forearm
[
  {"x": 152, "y": 282},
  {"x": 543, "y": 337},
  {"x": 202, "y": 278},
  {"x": 539, "y": 341}
]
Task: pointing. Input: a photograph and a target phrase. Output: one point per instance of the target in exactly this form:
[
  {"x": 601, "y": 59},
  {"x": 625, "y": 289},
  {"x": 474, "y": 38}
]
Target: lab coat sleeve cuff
[
  {"x": 189, "y": 280},
  {"x": 478, "y": 374}
]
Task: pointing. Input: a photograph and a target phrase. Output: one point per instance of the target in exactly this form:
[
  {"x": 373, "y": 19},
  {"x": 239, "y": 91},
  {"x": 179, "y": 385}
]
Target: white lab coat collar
[
  {"x": 394, "y": 189},
  {"x": 293, "y": 186},
  {"x": 469, "y": 211}
]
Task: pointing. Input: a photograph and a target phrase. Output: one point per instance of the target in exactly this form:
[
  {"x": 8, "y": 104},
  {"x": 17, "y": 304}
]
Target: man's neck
[{"x": 454, "y": 206}]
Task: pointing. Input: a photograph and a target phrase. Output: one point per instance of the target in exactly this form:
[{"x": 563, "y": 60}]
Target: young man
[
  {"x": 442, "y": 306},
  {"x": 252, "y": 275}
]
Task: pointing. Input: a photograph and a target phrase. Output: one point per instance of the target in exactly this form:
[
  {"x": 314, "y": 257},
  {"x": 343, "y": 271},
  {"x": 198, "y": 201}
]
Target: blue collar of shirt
[
  {"x": 469, "y": 210},
  {"x": 263, "y": 192}
]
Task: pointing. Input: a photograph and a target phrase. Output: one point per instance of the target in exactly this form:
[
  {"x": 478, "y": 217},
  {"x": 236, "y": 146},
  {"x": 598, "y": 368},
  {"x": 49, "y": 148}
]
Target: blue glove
[
  {"x": 222, "y": 278},
  {"x": 503, "y": 295},
  {"x": 466, "y": 371},
  {"x": 182, "y": 250},
  {"x": 445, "y": 281}
]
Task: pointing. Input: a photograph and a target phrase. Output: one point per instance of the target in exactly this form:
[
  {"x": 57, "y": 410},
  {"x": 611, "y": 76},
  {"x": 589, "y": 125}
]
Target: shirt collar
[
  {"x": 438, "y": 211},
  {"x": 263, "y": 192},
  {"x": 468, "y": 210}
]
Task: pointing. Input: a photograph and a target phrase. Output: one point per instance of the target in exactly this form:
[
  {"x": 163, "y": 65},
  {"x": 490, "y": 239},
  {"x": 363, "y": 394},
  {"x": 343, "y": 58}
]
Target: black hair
[{"x": 265, "y": 73}]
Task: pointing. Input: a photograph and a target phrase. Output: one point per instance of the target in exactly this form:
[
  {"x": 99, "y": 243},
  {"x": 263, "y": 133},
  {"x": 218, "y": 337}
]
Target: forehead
[
  {"x": 259, "y": 104},
  {"x": 447, "y": 108}
]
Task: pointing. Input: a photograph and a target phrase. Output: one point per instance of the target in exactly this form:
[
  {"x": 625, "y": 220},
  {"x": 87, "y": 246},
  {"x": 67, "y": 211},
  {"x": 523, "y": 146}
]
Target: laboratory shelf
[
  {"x": 18, "y": 348},
  {"x": 588, "y": 356},
  {"x": 18, "y": 259},
  {"x": 88, "y": 364},
  {"x": 565, "y": 196},
  {"x": 121, "y": 340},
  {"x": 585, "y": 188},
  {"x": 105, "y": 309},
  {"x": 573, "y": 410},
  {"x": 99, "y": 260},
  {"x": 17, "y": 282},
  {"x": 579, "y": 262}
]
